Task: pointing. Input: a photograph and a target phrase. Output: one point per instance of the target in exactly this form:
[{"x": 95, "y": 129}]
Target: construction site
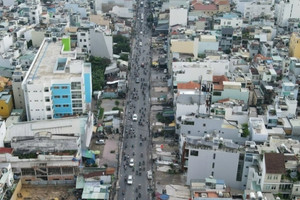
[{"x": 46, "y": 192}]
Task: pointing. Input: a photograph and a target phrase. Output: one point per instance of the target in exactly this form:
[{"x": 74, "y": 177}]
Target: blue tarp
[{"x": 164, "y": 197}]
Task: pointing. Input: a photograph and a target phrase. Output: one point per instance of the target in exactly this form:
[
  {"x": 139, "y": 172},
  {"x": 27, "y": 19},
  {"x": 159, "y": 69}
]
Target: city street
[{"x": 135, "y": 182}]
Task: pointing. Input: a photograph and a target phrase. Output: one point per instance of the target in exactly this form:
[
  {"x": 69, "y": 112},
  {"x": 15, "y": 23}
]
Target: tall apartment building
[{"x": 57, "y": 84}]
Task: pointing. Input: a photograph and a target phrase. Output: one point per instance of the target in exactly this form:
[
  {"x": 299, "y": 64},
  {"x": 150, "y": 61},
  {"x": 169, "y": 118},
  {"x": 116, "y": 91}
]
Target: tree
[
  {"x": 122, "y": 44},
  {"x": 98, "y": 68}
]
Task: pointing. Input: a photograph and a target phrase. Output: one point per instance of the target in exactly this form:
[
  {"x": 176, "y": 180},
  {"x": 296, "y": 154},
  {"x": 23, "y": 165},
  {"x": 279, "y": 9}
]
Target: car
[
  {"x": 129, "y": 180},
  {"x": 137, "y": 80},
  {"x": 100, "y": 142},
  {"x": 141, "y": 32},
  {"x": 134, "y": 117},
  {"x": 141, "y": 44},
  {"x": 149, "y": 174},
  {"x": 165, "y": 71},
  {"x": 131, "y": 162}
]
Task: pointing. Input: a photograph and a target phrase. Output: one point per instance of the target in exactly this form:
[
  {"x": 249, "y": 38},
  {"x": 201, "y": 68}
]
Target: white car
[
  {"x": 134, "y": 117},
  {"x": 131, "y": 162},
  {"x": 129, "y": 180}
]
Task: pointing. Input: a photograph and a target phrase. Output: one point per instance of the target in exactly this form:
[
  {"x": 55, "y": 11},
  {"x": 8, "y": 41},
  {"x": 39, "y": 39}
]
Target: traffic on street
[{"x": 135, "y": 170}]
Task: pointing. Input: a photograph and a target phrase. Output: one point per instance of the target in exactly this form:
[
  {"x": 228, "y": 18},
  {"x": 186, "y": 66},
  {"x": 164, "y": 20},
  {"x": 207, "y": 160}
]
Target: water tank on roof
[
  {"x": 259, "y": 195},
  {"x": 252, "y": 196}
]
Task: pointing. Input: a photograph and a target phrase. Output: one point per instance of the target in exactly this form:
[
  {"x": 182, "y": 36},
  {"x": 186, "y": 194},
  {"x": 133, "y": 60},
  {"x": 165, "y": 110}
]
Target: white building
[
  {"x": 228, "y": 19},
  {"x": 17, "y": 79},
  {"x": 83, "y": 40},
  {"x": 287, "y": 9},
  {"x": 178, "y": 16},
  {"x": 57, "y": 84},
  {"x": 258, "y": 131},
  {"x": 214, "y": 157},
  {"x": 254, "y": 10},
  {"x": 203, "y": 72},
  {"x": 6, "y": 41},
  {"x": 2, "y": 132}
]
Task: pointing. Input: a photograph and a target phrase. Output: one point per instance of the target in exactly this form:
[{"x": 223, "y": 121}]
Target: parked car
[{"x": 100, "y": 142}]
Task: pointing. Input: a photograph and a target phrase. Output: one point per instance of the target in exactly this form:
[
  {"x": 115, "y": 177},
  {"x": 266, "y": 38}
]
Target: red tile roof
[
  {"x": 218, "y": 82},
  {"x": 190, "y": 85},
  {"x": 199, "y": 6},
  {"x": 4, "y": 150},
  {"x": 274, "y": 163},
  {"x": 221, "y": 2}
]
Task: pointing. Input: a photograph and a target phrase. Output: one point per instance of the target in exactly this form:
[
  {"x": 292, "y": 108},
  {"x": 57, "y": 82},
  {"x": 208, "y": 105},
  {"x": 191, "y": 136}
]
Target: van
[{"x": 149, "y": 175}]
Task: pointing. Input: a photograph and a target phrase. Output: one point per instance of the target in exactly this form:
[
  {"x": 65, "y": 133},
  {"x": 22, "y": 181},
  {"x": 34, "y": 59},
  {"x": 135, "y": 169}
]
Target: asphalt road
[{"x": 137, "y": 140}]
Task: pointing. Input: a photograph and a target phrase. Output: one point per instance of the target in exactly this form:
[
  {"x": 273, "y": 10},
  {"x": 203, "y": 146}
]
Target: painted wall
[
  {"x": 88, "y": 87},
  {"x": 6, "y": 106},
  {"x": 61, "y": 98},
  {"x": 67, "y": 43}
]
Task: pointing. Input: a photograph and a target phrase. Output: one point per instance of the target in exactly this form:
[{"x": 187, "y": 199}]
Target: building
[
  {"x": 178, "y": 16},
  {"x": 287, "y": 9},
  {"x": 214, "y": 156},
  {"x": 226, "y": 38},
  {"x": 6, "y": 104},
  {"x": 101, "y": 43},
  {"x": 17, "y": 79},
  {"x": 48, "y": 150},
  {"x": 258, "y": 131},
  {"x": 207, "y": 43},
  {"x": 294, "y": 47},
  {"x": 57, "y": 84},
  {"x": 227, "y": 89}
]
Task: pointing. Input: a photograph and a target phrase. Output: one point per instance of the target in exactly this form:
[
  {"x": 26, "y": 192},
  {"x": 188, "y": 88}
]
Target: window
[
  {"x": 214, "y": 156},
  {"x": 76, "y": 95},
  {"x": 46, "y": 89},
  {"x": 212, "y": 173},
  {"x": 204, "y": 125},
  {"x": 47, "y": 99},
  {"x": 213, "y": 165},
  {"x": 194, "y": 153},
  {"x": 189, "y": 132},
  {"x": 56, "y": 87},
  {"x": 82, "y": 34},
  {"x": 57, "y": 106},
  {"x": 64, "y": 87},
  {"x": 56, "y": 96},
  {"x": 65, "y": 105},
  {"x": 275, "y": 177},
  {"x": 273, "y": 187},
  {"x": 75, "y": 85},
  {"x": 269, "y": 177},
  {"x": 65, "y": 96},
  {"x": 80, "y": 40},
  {"x": 48, "y": 108}
]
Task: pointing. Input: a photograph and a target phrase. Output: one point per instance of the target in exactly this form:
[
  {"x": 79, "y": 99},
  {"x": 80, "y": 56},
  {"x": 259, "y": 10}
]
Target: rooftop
[
  {"x": 51, "y": 62},
  {"x": 275, "y": 163},
  {"x": 189, "y": 85}
]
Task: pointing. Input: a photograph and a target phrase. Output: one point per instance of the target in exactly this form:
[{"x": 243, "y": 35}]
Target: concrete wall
[
  {"x": 101, "y": 44},
  {"x": 37, "y": 37},
  {"x": 201, "y": 166}
]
